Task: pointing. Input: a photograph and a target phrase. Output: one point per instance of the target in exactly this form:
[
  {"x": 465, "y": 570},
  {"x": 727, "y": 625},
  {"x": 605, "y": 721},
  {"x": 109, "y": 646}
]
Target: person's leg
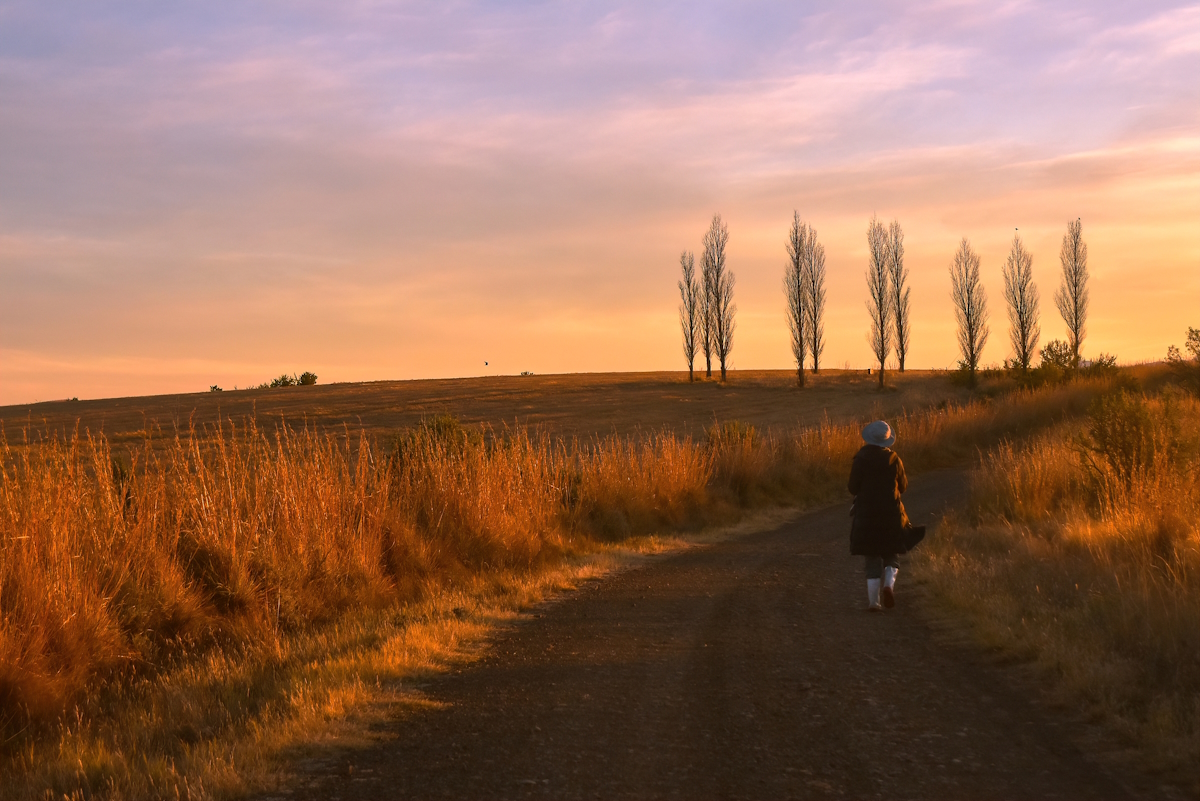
[
  {"x": 890, "y": 566},
  {"x": 874, "y": 569}
]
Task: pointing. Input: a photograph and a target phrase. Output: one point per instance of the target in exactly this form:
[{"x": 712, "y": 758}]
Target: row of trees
[
  {"x": 1022, "y": 300},
  {"x": 305, "y": 379},
  {"x": 706, "y": 312},
  {"x": 706, "y": 309}
]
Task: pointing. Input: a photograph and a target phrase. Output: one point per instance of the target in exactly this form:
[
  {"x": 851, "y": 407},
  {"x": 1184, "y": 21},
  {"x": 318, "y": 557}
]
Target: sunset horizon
[{"x": 195, "y": 197}]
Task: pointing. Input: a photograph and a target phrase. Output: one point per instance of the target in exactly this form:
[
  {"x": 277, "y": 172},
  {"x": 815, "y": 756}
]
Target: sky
[{"x": 199, "y": 193}]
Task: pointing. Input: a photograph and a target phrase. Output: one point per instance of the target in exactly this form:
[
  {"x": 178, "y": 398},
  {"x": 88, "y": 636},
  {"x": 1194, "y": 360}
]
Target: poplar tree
[
  {"x": 879, "y": 294},
  {"x": 1021, "y": 294},
  {"x": 795, "y": 289},
  {"x": 1072, "y": 295},
  {"x": 689, "y": 309},
  {"x": 722, "y": 308},
  {"x": 814, "y": 290},
  {"x": 708, "y": 337},
  {"x": 900, "y": 291},
  {"x": 970, "y": 307}
]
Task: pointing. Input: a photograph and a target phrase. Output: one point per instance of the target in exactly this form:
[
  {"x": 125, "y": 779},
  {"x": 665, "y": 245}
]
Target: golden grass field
[
  {"x": 1080, "y": 550},
  {"x": 186, "y": 603}
]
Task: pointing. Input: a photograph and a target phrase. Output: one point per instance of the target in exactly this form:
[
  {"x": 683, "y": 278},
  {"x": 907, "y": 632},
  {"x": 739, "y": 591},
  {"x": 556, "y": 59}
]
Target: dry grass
[
  {"x": 1081, "y": 550},
  {"x": 172, "y": 624},
  {"x": 581, "y": 405}
]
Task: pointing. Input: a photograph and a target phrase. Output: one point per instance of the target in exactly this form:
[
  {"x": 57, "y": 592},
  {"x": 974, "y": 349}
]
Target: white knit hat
[{"x": 879, "y": 433}]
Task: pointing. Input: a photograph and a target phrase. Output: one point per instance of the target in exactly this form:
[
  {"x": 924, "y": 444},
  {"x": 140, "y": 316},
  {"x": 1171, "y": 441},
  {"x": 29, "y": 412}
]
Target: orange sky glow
[{"x": 381, "y": 191}]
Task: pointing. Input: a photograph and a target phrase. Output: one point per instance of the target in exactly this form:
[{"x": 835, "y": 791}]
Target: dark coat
[{"x": 876, "y": 480}]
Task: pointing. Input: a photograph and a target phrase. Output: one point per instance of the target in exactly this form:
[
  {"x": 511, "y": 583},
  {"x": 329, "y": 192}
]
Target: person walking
[{"x": 877, "y": 481}]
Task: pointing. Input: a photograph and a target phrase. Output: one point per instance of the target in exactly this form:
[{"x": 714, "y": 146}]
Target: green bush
[{"x": 308, "y": 378}]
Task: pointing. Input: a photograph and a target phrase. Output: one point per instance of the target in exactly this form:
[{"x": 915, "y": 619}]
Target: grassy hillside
[
  {"x": 582, "y": 405},
  {"x": 177, "y": 617}
]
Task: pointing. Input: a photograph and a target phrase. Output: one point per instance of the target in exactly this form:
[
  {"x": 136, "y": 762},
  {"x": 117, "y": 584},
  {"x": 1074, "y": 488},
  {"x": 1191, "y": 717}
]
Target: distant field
[{"x": 582, "y": 404}]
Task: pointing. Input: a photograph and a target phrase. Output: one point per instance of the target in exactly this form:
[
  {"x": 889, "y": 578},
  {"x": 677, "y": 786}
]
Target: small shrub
[
  {"x": 1120, "y": 435},
  {"x": 992, "y": 372},
  {"x": 1030, "y": 378},
  {"x": 1104, "y": 365},
  {"x": 284, "y": 380},
  {"x": 214, "y": 388},
  {"x": 1187, "y": 371},
  {"x": 962, "y": 376},
  {"x": 1130, "y": 438},
  {"x": 307, "y": 379},
  {"x": 1058, "y": 354},
  {"x": 1048, "y": 372}
]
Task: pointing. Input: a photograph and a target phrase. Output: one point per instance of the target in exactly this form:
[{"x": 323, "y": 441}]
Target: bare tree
[
  {"x": 814, "y": 289},
  {"x": 970, "y": 307},
  {"x": 1072, "y": 295},
  {"x": 721, "y": 288},
  {"x": 795, "y": 288},
  {"x": 708, "y": 338},
  {"x": 689, "y": 309},
  {"x": 879, "y": 294},
  {"x": 900, "y": 291},
  {"x": 1021, "y": 295}
]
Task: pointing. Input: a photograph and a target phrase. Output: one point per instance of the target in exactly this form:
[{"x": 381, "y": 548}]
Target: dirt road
[{"x": 746, "y": 669}]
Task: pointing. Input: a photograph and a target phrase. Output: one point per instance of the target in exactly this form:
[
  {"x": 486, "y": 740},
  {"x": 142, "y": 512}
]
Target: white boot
[
  {"x": 889, "y": 586},
  {"x": 873, "y": 595}
]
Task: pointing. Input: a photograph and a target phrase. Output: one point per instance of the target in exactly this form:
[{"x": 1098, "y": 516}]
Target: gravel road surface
[{"x": 744, "y": 669}]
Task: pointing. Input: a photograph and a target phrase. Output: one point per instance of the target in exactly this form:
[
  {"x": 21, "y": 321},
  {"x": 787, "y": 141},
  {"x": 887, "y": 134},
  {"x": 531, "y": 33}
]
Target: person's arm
[
  {"x": 856, "y": 477},
  {"x": 901, "y": 477}
]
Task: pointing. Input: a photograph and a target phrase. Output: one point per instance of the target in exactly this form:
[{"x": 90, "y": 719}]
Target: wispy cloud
[{"x": 289, "y": 179}]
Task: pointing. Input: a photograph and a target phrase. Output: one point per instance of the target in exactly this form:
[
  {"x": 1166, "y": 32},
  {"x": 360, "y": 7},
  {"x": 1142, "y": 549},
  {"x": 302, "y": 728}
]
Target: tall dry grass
[
  {"x": 1081, "y": 550},
  {"x": 129, "y": 580}
]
